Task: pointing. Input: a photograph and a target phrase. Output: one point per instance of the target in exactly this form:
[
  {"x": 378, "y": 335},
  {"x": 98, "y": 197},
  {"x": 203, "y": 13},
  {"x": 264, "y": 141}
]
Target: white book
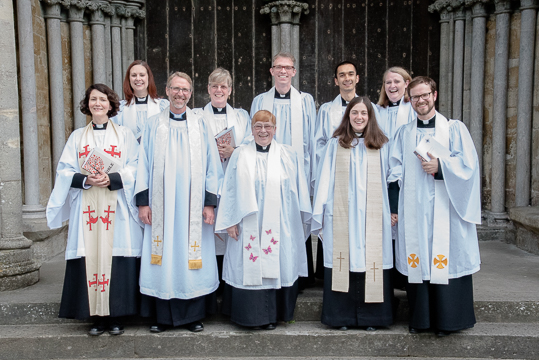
[
  {"x": 99, "y": 160},
  {"x": 430, "y": 145}
]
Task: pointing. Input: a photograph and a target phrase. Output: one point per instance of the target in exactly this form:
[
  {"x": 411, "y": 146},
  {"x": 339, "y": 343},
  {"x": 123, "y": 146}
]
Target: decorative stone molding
[
  {"x": 502, "y": 6},
  {"x": 76, "y": 10},
  {"x": 284, "y": 11}
]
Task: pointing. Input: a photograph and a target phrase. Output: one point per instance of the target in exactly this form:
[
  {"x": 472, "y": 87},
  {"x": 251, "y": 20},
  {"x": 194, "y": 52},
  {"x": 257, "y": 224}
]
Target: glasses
[
  {"x": 424, "y": 96},
  {"x": 259, "y": 127},
  {"x": 287, "y": 68},
  {"x": 176, "y": 90}
]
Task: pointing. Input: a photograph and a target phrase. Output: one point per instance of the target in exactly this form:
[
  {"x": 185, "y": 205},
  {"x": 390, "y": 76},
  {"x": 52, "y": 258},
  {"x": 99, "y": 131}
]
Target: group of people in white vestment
[{"x": 187, "y": 218}]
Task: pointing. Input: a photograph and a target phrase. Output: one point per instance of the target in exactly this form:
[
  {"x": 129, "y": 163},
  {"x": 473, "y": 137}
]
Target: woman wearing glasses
[
  {"x": 265, "y": 200},
  {"x": 219, "y": 116},
  {"x": 141, "y": 100}
]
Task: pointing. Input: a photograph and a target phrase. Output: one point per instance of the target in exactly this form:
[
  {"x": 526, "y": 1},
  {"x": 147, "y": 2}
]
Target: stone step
[{"x": 301, "y": 339}]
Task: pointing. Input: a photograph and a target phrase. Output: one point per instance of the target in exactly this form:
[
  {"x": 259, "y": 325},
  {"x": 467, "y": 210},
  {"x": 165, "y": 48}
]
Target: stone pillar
[
  {"x": 443, "y": 102},
  {"x": 56, "y": 86},
  {"x": 125, "y": 56},
  {"x": 32, "y": 207},
  {"x": 478, "y": 77},
  {"x": 133, "y": 12},
  {"x": 97, "y": 23},
  {"x": 499, "y": 111},
  {"x": 458, "y": 63},
  {"x": 109, "y": 10},
  {"x": 116, "y": 39},
  {"x": 467, "y": 81},
  {"x": 450, "y": 53},
  {"x": 17, "y": 268},
  {"x": 75, "y": 19},
  {"x": 285, "y": 23},
  {"x": 525, "y": 101}
]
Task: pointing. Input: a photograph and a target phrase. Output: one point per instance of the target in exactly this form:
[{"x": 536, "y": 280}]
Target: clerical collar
[
  {"x": 219, "y": 110},
  {"x": 178, "y": 117},
  {"x": 282, "y": 96},
  {"x": 344, "y": 102},
  {"x": 430, "y": 123},
  {"x": 359, "y": 135},
  {"x": 143, "y": 100},
  {"x": 260, "y": 148},
  {"x": 391, "y": 103},
  {"x": 99, "y": 126}
]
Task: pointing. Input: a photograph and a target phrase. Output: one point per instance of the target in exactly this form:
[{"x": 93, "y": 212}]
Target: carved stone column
[
  {"x": 499, "y": 111},
  {"x": 285, "y": 23},
  {"x": 525, "y": 101},
  {"x": 458, "y": 63},
  {"x": 133, "y": 12},
  {"x": 17, "y": 268},
  {"x": 109, "y": 11},
  {"x": 478, "y": 77},
  {"x": 116, "y": 39},
  {"x": 32, "y": 207},
  {"x": 443, "y": 103},
  {"x": 97, "y": 23},
  {"x": 467, "y": 81},
  {"x": 78, "y": 83},
  {"x": 56, "y": 86}
]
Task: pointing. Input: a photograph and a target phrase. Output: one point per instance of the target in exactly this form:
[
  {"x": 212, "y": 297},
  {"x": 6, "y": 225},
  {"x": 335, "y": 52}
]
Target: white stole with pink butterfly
[{"x": 261, "y": 249}]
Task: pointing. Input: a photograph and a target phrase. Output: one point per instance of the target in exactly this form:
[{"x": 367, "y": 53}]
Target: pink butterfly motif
[
  {"x": 273, "y": 241},
  {"x": 252, "y": 237},
  {"x": 268, "y": 231},
  {"x": 267, "y": 251},
  {"x": 253, "y": 257},
  {"x": 248, "y": 247}
]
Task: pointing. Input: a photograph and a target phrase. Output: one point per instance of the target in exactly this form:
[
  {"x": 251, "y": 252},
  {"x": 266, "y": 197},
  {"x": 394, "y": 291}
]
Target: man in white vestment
[
  {"x": 328, "y": 119},
  {"x": 220, "y": 116},
  {"x": 296, "y": 115},
  {"x": 178, "y": 178},
  {"x": 265, "y": 200},
  {"x": 438, "y": 209}
]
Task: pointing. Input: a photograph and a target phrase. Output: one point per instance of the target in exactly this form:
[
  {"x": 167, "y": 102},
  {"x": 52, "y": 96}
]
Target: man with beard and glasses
[{"x": 438, "y": 208}]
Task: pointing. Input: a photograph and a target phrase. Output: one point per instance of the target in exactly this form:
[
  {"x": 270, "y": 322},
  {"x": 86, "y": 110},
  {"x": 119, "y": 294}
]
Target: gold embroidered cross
[
  {"x": 195, "y": 246},
  {"x": 340, "y": 260},
  {"x": 157, "y": 241},
  {"x": 374, "y": 268}
]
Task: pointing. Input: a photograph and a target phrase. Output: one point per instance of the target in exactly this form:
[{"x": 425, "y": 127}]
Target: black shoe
[
  {"x": 441, "y": 333},
  {"x": 370, "y": 328},
  {"x": 270, "y": 326},
  {"x": 157, "y": 328},
  {"x": 342, "y": 328},
  {"x": 413, "y": 330},
  {"x": 116, "y": 329},
  {"x": 96, "y": 330},
  {"x": 195, "y": 326}
]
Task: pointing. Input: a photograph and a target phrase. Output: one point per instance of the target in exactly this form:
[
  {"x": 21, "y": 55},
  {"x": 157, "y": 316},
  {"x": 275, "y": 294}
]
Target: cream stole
[
  {"x": 130, "y": 113},
  {"x": 374, "y": 279},
  {"x": 296, "y": 119},
  {"x": 439, "y": 262},
  {"x": 231, "y": 120},
  {"x": 98, "y": 219},
  {"x": 261, "y": 249},
  {"x": 196, "y": 192}
]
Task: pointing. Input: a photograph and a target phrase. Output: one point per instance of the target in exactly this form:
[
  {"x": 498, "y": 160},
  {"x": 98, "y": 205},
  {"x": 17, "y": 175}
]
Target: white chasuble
[
  {"x": 99, "y": 213},
  {"x": 196, "y": 192},
  {"x": 265, "y": 194}
]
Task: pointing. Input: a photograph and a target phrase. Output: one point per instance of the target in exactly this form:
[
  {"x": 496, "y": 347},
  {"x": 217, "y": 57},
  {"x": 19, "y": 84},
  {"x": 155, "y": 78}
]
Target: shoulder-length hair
[
  {"x": 111, "y": 96},
  {"x": 128, "y": 90},
  {"x": 373, "y": 135},
  {"x": 383, "y": 100}
]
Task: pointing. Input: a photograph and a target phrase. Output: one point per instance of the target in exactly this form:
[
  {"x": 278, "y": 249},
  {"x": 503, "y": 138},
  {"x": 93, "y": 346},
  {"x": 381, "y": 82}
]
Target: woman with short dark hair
[
  {"x": 105, "y": 237},
  {"x": 351, "y": 212}
]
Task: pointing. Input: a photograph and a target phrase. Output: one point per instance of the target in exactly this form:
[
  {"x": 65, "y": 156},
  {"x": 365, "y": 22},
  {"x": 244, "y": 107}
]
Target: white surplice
[
  {"x": 174, "y": 279},
  {"x": 357, "y": 200},
  {"x": 462, "y": 182},
  {"x": 135, "y": 115},
  {"x": 242, "y": 197}
]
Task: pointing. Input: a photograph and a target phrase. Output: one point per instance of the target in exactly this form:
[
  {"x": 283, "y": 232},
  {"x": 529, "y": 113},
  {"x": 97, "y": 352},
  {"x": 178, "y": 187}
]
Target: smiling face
[
  {"x": 423, "y": 107},
  {"x": 179, "y": 93},
  {"x": 219, "y": 94},
  {"x": 263, "y": 132},
  {"x": 138, "y": 79},
  {"x": 283, "y": 77},
  {"x": 395, "y": 86},
  {"x": 346, "y": 78},
  {"x": 99, "y": 106},
  {"x": 359, "y": 117}
]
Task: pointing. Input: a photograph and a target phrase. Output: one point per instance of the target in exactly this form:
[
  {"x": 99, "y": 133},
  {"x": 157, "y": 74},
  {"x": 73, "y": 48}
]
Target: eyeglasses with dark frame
[
  {"x": 258, "y": 127},
  {"x": 176, "y": 90},
  {"x": 280, "y": 67},
  {"x": 416, "y": 98}
]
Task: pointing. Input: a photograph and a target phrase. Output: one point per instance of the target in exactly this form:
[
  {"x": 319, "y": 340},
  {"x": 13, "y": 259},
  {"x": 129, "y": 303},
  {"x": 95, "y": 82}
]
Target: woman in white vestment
[
  {"x": 220, "y": 116},
  {"x": 105, "y": 236},
  {"x": 357, "y": 244},
  {"x": 141, "y": 99},
  {"x": 264, "y": 203},
  {"x": 394, "y": 110}
]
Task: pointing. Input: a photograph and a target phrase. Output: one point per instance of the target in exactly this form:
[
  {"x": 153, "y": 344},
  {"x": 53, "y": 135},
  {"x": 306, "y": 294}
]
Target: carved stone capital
[
  {"x": 528, "y": 4},
  {"x": 76, "y": 10},
  {"x": 108, "y": 9},
  {"x": 53, "y": 9},
  {"x": 285, "y": 11},
  {"x": 502, "y": 6},
  {"x": 445, "y": 15},
  {"x": 478, "y": 8},
  {"x": 97, "y": 17},
  {"x": 460, "y": 13}
]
